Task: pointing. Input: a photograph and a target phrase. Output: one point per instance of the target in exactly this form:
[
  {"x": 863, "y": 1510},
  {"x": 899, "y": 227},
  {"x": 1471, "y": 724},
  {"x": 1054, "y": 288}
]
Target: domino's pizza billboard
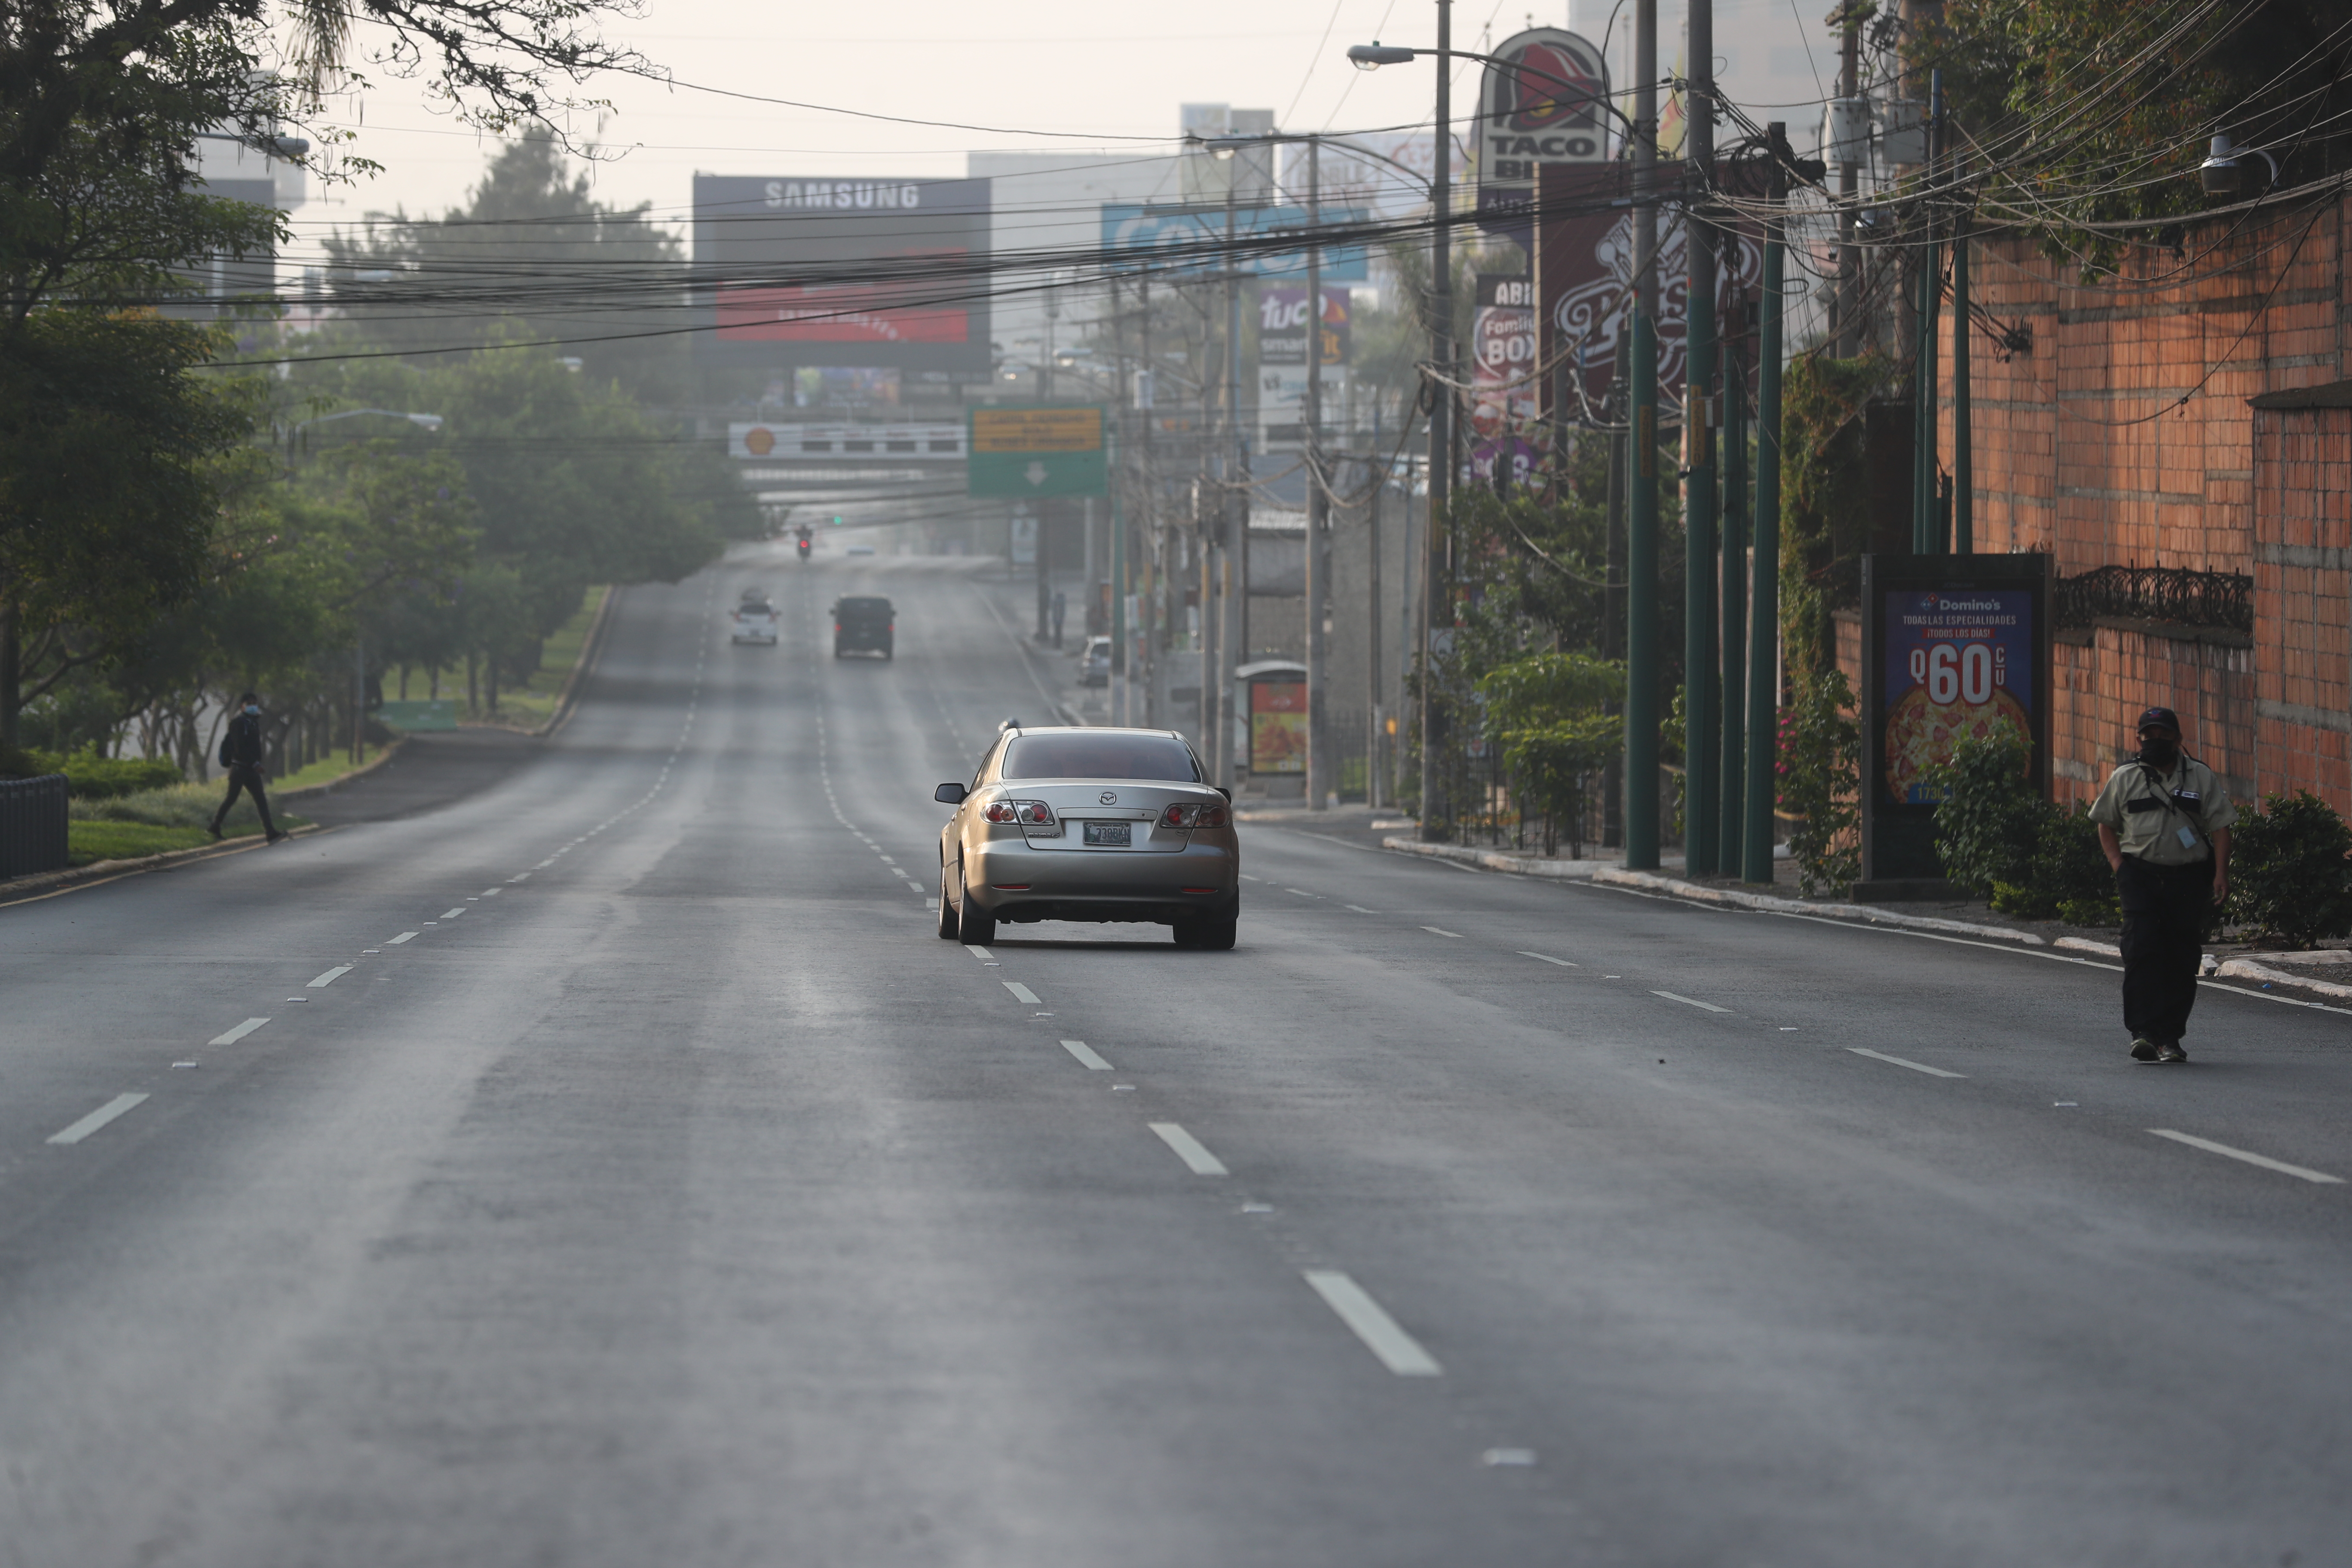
[{"x": 1956, "y": 647}]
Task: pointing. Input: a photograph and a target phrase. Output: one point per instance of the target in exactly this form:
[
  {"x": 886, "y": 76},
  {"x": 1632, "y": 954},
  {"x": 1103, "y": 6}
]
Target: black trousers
[
  {"x": 2166, "y": 910},
  {"x": 246, "y": 776}
]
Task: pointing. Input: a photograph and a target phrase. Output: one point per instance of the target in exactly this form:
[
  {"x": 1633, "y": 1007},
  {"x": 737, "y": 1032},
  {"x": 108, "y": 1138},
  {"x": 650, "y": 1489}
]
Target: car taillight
[
  {"x": 1200, "y": 814},
  {"x": 1000, "y": 811},
  {"x": 1034, "y": 813}
]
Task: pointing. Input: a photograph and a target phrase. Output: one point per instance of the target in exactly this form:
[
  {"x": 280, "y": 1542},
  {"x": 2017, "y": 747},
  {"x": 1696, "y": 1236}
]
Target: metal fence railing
[
  {"x": 32, "y": 824},
  {"x": 2219, "y": 599}
]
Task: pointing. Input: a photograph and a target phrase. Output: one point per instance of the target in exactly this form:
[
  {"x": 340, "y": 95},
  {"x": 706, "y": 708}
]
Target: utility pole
[
  {"x": 1318, "y": 737},
  {"x": 1642, "y": 520},
  {"x": 1764, "y": 609},
  {"x": 1700, "y": 782},
  {"x": 1731, "y": 753},
  {"x": 1377, "y": 469},
  {"x": 1924, "y": 507},
  {"x": 1964, "y": 511},
  {"x": 1849, "y": 282},
  {"x": 1436, "y": 738}
]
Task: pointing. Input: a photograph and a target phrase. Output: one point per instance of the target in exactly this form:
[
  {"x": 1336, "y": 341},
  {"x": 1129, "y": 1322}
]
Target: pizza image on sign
[{"x": 1923, "y": 733}]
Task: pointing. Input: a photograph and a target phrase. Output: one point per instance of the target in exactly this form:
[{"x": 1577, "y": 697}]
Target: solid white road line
[
  {"x": 1898, "y": 1061},
  {"x": 97, "y": 1119},
  {"x": 331, "y": 975},
  {"x": 1085, "y": 1055},
  {"x": 2265, "y": 1161},
  {"x": 1189, "y": 1149},
  {"x": 1399, "y": 1352},
  {"x": 403, "y": 936},
  {"x": 233, "y": 1035},
  {"x": 1545, "y": 958},
  {"x": 1021, "y": 993},
  {"x": 453, "y": 914},
  {"x": 1690, "y": 1001},
  {"x": 1438, "y": 931}
]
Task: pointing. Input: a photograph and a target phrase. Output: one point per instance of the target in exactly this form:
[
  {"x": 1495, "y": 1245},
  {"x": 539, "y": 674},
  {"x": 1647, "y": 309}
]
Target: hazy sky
[{"x": 1093, "y": 72}]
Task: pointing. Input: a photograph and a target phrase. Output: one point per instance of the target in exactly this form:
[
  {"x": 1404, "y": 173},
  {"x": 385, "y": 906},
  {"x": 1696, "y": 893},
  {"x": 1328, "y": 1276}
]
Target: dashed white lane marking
[
  {"x": 231, "y": 1036},
  {"x": 520, "y": 877},
  {"x": 332, "y": 976},
  {"x": 1547, "y": 958},
  {"x": 1021, "y": 993},
  {"x": 1686, "y": 1001},
  {"x": 491, "y": 892},
  {"x": 453, "y": 914},
  {"x": 97, "y": 1119},
  {"x": 403, "y": 936},
  {"x": 979, "y": 952},
  {"x": 1189, "y": 1149},
  {"x": 1898, "y": 1061},
  {"x": 1085, "y": 1055},
  {"x": 2265, "y": 1161},
  {"x": 1398, "y": 1350},
  {"x": 1360, "y": 908},
  {"x": 1302, "y": 892},
  {"x": 1440, "y": 930}
]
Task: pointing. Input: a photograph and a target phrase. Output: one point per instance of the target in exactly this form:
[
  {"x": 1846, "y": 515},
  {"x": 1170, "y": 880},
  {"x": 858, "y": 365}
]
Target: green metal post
[
  {"x": 1732, "y": 802},
  {"x": 1764, "y": 613},
  {"x": 1642, "y": 512},
  {"x": 1701, "y": 728}
]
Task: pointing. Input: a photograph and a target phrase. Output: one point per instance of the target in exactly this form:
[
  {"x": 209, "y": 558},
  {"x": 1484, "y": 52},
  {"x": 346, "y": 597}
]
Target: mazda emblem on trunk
[{"x": 1110, "y": 797}]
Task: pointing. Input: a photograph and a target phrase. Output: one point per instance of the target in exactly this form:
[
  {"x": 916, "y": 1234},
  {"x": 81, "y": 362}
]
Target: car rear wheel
[
  {"x": 974, "y": 928},
  {"x": 947, "y": 909},
  {"x": 1212, "y": 935}
]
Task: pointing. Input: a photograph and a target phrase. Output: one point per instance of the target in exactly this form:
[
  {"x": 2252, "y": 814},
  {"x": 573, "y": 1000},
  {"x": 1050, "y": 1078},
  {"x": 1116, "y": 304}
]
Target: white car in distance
[{"x": 755, "y": 622}]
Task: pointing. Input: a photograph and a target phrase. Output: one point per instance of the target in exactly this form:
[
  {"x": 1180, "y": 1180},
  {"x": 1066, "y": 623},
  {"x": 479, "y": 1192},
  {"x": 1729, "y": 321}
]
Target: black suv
[{"x": 863, "y": 626}]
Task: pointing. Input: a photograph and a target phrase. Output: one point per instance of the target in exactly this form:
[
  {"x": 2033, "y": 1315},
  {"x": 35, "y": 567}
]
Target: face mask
[
  {"x": 2159, "y": 749},
  {"x": 253, "y": 708}
]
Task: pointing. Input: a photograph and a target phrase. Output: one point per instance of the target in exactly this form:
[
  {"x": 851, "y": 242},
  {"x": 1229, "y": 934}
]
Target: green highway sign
[{"x": 1056, "y": 450}]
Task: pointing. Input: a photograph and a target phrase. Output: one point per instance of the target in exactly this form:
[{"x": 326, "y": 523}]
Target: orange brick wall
[
  {"x": 2302, "y": 599},
  {"x": 2122, "y": 437}
]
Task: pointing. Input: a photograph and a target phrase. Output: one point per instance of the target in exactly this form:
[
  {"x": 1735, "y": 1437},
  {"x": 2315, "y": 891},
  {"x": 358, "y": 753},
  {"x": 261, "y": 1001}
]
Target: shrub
[
  {"x": 181, "y": 806},
  {"x": 1820, "y": 781},
  {"x": 90, "y": 776},
  {"x": 2066, "y": 876},
  {"x": 1551, "y": 765},
  {"x": 2289, "y": 880},
  {"x": 1998, "y": 837}
]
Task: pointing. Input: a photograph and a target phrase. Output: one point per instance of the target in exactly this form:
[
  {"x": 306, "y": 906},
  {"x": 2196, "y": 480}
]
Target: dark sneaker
[
  {"x": 2144, "y": 1049},
  {"x": 2171, "y": 1053},
  {"x": 213, "y": 829},
  {"x": 274, "y": 835}
]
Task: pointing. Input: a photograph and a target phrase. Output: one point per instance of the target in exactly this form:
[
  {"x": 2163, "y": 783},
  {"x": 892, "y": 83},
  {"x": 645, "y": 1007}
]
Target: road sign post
[{"x": 1020, "y": 453}]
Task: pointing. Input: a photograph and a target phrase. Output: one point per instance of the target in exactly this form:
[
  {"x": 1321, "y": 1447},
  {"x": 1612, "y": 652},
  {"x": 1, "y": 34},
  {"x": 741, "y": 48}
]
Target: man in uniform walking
[
  {"x": 2164, "y": 821},
  {"x": 240, "y": 752}
]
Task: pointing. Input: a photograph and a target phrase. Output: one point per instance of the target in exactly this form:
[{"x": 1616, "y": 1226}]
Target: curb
[
  {"x": 591, "y": 645},
  {"x": 2248, "y": 969},
  {"x": 48, "y": 884},
  {"x": 1609, "y": 873},
  {"x": 333, "y": 784}
]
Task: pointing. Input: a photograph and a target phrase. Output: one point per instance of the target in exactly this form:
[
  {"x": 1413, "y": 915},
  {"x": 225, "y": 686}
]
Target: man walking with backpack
[
  {"x": 240, "y": 754},
  {"x": 2164, "y": 822}
]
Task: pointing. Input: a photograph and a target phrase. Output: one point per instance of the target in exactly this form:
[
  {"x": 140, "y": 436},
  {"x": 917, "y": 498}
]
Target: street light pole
[
  {"x": 1701, "y": 689},
  {"x": 1764, "y": 615},
  {"x": 1318, "y": 739},
  {"x": 1641, "y": 514},
  {"x": 1436, "y": 810}
]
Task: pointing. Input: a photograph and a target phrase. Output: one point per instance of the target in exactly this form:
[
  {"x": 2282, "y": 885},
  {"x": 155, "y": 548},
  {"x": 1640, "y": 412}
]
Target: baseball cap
[{"x": 2160, "y": 717}]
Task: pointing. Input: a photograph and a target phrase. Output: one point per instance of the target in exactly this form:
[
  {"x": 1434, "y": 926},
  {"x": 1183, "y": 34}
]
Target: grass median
[{"x": 154, "y": 821}]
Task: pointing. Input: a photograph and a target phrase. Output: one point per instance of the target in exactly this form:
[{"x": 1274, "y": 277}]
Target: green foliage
[
  {"x": 1552, "y": 767},
  {"x": 2289, "y": 879},
  {"x": 1826, "y": 504},
  {"x": 1547, "y": 687},
  {"x": 180, "y": 805},
  {"x": 90, "y": 776},
  {"x": 89, "y": 842},
  {"x": 2000, "y": 839},
  {"x": 2098, "y": 110},
  {"x": 1820, "y": 781}
]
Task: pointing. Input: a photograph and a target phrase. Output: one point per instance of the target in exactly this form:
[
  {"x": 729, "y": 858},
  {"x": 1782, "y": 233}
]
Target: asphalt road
[{"x": 674, "y": 1197}]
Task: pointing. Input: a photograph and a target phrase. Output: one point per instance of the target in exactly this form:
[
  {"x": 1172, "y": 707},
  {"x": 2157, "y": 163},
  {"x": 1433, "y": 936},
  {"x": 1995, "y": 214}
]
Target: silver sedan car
[{"x": 1068, "y": 824}]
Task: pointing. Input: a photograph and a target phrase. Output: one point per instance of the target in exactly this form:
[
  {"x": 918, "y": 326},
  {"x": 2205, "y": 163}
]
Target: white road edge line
[
  {"x": 1898, "y": 1061},
  {"x": 1547, "y": 958},
  {"x": 97, "y": 1119},
  {"x": 2265, "y": 1161},
  {"x": 1440, "y": 930},
  {"x": 233, "y": 1035},
  {"x": 333, "y": 975},
  {"x": 1021, "y": 993},
  {"x": 1398, "y": 1350},
  {"x": 1689, "y": 1001},
  {"x": 1085, "y": 1055},
  {"x": 1189, "y": 1149},
  {"x": 403, "y": 936}
]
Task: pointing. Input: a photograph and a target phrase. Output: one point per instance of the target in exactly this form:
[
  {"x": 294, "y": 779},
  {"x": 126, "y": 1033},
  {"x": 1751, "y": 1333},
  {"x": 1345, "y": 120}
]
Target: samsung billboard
[{"x": 881, "y": 274}]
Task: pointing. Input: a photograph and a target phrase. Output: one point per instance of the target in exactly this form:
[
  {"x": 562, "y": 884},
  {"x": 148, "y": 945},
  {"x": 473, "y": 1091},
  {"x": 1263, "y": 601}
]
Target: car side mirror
[
  {"x": 1224, "y": 791},
  {"x": 949, "y": 795}
]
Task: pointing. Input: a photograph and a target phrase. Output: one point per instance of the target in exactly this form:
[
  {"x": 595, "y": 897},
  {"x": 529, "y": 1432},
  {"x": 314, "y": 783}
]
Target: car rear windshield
[
  {"x": 1084, "y": 756},
  {"x": 863, "y": 608}
]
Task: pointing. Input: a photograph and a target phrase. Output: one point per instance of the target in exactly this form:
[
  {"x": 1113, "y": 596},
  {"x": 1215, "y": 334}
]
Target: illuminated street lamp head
[{"x": 1371, "y": 57}]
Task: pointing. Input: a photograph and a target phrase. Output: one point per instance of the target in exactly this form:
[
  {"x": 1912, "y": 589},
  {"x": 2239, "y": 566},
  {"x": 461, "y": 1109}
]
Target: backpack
[{"x": 223, "y": 749}]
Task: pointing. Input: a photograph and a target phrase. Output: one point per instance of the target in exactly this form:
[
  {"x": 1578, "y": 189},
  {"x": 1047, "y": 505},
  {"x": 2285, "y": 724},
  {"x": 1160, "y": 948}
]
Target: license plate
[{"x": 1110, "y": 833}]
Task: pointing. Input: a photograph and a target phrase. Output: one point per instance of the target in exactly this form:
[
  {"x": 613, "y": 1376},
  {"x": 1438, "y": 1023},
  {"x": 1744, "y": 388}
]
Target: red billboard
[{"x": 838, "y": 313}]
